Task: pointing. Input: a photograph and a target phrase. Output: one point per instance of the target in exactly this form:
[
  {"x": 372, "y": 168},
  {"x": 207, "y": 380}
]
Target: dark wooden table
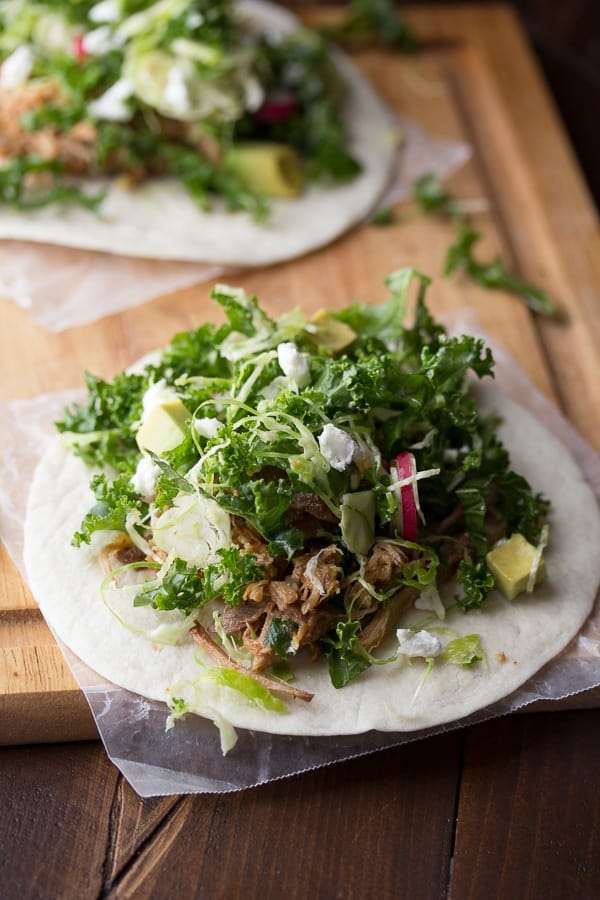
[{"x": 509, "y": 808}]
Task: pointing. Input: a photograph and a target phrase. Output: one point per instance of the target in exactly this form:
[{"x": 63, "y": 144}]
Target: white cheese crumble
[
  {"x": 100, "y": 40},
  {"x": 207, "y": 427},
  {"x": 255, "y": 93},
  {"x": 420, "y": 643},
  {"x": 105, "y": 11},
  {"x": 17, "y": 67},
  {"x": 157, "y": 395},
  {"x": 431, "y": 600},
  {"x": 293, "y": 363},
  {"x": 144, "y": 478},
  {"x": 112, "y": 105},
  {"x": 337, "y": 447},
  {"x": 176, "y": 97},
  {"x": 194, "y": 19}
]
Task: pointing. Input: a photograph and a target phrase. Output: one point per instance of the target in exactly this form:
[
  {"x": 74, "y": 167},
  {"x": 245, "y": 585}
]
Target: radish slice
[
  {"x": 277, "y": 108},
  {"x": 79, "y": 50},
  {"x": 409, "y": 504}
]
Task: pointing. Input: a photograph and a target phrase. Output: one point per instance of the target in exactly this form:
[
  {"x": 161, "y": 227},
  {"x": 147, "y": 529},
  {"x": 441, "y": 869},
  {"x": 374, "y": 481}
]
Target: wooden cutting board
[{"x": 476, "y": 82}]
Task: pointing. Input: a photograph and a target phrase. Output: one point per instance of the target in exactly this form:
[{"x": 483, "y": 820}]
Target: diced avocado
[
  {"x": 164, "y": 428},
  {"x": 329, "y": 332},
  {"x": 271, "y": 169},
  {"x": 511, "y": 564},
  {"x": 358, "y": 521}
]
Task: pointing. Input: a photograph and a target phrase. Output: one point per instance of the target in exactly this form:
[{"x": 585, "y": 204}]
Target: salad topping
[
  {"x": 296, "y": 493},
  {"x": 190, "y": 90}
]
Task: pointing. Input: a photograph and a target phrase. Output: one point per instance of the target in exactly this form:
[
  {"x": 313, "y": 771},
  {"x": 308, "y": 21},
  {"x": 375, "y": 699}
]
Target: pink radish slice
[
  {"x": 79, "y": 51},
  {"x": 407, "y": 468},
  {"x": 277, "y": 108}
]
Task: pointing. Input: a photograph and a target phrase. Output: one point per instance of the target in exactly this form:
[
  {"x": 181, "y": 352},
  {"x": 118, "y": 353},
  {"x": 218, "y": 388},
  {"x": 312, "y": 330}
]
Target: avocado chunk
[
  {"x": 329, "y": 333},
  {"x": 271, "y": 169},
  {"x": 511, "y": 564},
  {"x": 358, "y": 521},
  {"x": 164, "y": 428}
]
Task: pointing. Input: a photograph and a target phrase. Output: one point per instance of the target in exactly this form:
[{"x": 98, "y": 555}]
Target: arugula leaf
[{"x": 493, "y": 274}]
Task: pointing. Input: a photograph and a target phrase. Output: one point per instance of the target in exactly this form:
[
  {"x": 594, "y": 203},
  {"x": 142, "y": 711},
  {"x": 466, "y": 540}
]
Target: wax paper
[
  {"x": 62, "y": 287},
  {"x": 188, "y": 758}
]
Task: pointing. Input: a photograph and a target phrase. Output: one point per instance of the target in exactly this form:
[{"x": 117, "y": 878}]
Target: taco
[
  {"x": 217, "y": 132},
  {"x": 300, "y": 525}
]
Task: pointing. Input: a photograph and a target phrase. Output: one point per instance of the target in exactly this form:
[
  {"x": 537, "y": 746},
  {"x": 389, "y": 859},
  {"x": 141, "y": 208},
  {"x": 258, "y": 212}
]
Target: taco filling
[
  {"x": 195, "y": 91},
  {"x": 312, "y": 525},
  {"x": 295, "y": 485}
]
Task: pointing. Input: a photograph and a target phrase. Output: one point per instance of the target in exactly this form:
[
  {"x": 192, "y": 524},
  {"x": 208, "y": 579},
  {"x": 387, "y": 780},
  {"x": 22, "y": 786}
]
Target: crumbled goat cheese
[
  {"x": 337, "y": 447},
  {"x": 157, "y": 395},
  {"x": 144, "y": 478},
  {"x": 421, "y": 643},
  {"x": 207, "y": 427},
  {"x": 105, "y": 11},
  {"x": 293, "y": 363},
  {"x": 255, "y": 94},
  {"x": 430, "y": 600},
  {"x": 194, "y": 19},
  {"x": 176, "y": 95},
  {"x": 112, "y": 105},
  {"x": 100, "y": 40},
  {"x": 17, "y": 67}
]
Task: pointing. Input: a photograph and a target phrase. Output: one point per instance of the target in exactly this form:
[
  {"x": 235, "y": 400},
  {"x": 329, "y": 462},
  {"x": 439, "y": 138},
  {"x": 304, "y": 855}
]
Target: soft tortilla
[
  {"x": 518, "y": 638},
  {"x": 160, "y": 220}
]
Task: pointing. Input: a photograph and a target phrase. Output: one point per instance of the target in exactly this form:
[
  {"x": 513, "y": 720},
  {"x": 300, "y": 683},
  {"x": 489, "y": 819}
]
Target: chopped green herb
[
  {"x": 493, "y": 274},
  {"x": 433, "y": 198}
]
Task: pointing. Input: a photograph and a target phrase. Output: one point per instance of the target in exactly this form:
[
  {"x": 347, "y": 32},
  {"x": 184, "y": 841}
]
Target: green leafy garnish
[
  {"x": 494, "y": 274},
  {"x": 226, "y": 70},
  {"x": 464, "y": 651},
  {"x": 377, "y": 19},
  {"x": 114, "y": 500},
  {"x": 269, "y": 534},
  {"x": 30, "y": 182},
  {"x": 252, "y": 690},
  {"x": 432, "y": 197}
]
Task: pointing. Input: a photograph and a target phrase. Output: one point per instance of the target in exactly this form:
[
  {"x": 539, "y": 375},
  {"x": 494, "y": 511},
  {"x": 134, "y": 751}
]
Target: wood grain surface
[
  {"x": 507, "y": 808},
  {"x": 474, "y": 83}
]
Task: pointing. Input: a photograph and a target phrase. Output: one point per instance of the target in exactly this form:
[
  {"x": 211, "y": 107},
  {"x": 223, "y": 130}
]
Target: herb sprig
[{"x": 433, "y": 198}]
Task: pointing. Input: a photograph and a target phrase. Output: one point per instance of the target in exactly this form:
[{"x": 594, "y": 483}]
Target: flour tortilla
[
  {"x": 160, "y": 220},
  {"x": 518, "y": 638}
]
